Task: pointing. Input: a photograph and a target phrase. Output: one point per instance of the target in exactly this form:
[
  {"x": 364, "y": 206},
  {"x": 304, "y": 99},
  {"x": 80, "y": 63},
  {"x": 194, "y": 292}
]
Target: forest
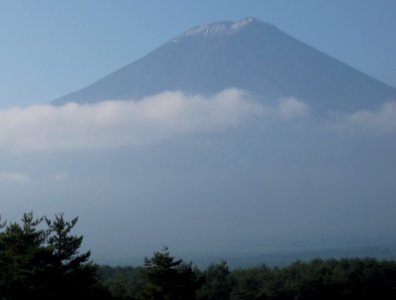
[{"x": 41, "y": 258}]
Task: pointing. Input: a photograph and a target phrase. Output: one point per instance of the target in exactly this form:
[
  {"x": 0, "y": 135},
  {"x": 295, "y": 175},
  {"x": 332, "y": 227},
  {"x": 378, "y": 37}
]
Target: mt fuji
[
  {"x": 238, "y": 139},
  {"x": 249, "y": 55}
]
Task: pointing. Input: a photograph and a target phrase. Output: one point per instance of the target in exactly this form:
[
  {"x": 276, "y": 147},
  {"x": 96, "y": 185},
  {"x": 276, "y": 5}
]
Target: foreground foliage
[
  {"x": 40, "y": 258},
  {"x": 318, "y": 279}
]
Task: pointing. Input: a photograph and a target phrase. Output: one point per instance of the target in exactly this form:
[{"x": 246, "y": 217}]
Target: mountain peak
[
  {"x": 246, "y": 54},
  {"x": 218, "y": 28}
]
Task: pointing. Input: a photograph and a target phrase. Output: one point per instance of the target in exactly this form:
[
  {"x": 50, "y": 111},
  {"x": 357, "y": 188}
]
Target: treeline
[
  {"x": 40, "y": 258},
  {"x": 318, "y": 279}
]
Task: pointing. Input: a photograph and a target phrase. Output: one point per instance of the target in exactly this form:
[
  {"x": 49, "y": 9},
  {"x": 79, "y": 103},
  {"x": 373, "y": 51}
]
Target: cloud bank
[
  {"x": 113, "y": 124},
  {"x": 382, "y": 120}
]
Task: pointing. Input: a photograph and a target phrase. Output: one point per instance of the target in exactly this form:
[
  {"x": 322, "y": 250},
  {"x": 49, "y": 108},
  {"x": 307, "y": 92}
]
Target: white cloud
[
  {"x": 113, "y": 124},
  {"x": 288, "y": 108},
  {"x": 382, "y": 120},
  {"x": 14, "y": 177}
]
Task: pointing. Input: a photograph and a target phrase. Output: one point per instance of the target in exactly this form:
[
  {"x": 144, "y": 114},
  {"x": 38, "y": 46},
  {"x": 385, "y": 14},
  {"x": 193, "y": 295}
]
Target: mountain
[
  {"x": 248, "y": 54},
  {"x": 258, "y": 185}
]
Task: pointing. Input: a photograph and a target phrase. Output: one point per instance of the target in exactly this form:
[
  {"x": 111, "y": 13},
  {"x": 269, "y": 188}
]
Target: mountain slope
[{"x": 247, "y": 54}]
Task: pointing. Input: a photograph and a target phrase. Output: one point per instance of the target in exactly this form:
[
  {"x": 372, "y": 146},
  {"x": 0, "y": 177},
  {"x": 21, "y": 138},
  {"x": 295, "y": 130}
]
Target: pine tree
[
  {"x": 44, "y": 263},
  {"x": 23, "y": 259},
  {"x": 218, "y": 283},
  {"x": 73, "y": 275},
  {"x": 169, "y": 279}
]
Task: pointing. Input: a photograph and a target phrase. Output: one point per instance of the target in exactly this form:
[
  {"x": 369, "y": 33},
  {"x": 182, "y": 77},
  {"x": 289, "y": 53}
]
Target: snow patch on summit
[
  {"x": 207, "y": 29},
  {"x": 242, "y": 23},
  {"x": 216, "y": 29}
]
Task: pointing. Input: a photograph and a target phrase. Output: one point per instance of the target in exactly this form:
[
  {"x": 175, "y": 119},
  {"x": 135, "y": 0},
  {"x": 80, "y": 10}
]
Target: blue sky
[{"x": 50, "y": 48}]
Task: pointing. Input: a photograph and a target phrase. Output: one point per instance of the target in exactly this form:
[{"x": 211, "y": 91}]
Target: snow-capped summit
[
  {"x": 216, "y": 29},
  {"x": 242, "y": 23},
  {"x": 247, "y": 54}
]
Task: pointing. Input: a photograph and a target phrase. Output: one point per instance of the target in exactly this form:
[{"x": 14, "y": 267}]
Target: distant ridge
[{"x": 247, "y": 54}]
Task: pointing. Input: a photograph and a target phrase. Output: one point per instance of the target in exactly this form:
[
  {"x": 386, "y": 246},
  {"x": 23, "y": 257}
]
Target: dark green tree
[
  {"x": 218, "y": 283},
  {"x": 170, "y": 279},
  {"x": 249, "y": 284},
  {"x": 44, "y": 262},
  {"x": 24, "y": 259},
  {"x": 73, "y": 275},
  {"x": 123, "y": 282}
]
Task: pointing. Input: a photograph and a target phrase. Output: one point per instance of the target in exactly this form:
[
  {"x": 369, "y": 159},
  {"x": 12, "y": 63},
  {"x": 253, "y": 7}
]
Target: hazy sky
[{"x": 50, "y": 48}]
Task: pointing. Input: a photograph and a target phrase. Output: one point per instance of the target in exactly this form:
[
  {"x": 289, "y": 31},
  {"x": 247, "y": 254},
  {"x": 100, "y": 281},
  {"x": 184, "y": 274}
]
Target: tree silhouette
[
  {"x": 23, "y": 258},
  {"x": 169, "y": 279},
  {"x": 72, "y": 273},
  {"x": 45, "y": 263},
  {"x": 218, "y": 283}
]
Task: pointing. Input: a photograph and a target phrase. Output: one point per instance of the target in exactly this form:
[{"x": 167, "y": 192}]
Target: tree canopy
[
  {"x": 169, "y": 279},
  {"x": 41, "y": 259}
]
